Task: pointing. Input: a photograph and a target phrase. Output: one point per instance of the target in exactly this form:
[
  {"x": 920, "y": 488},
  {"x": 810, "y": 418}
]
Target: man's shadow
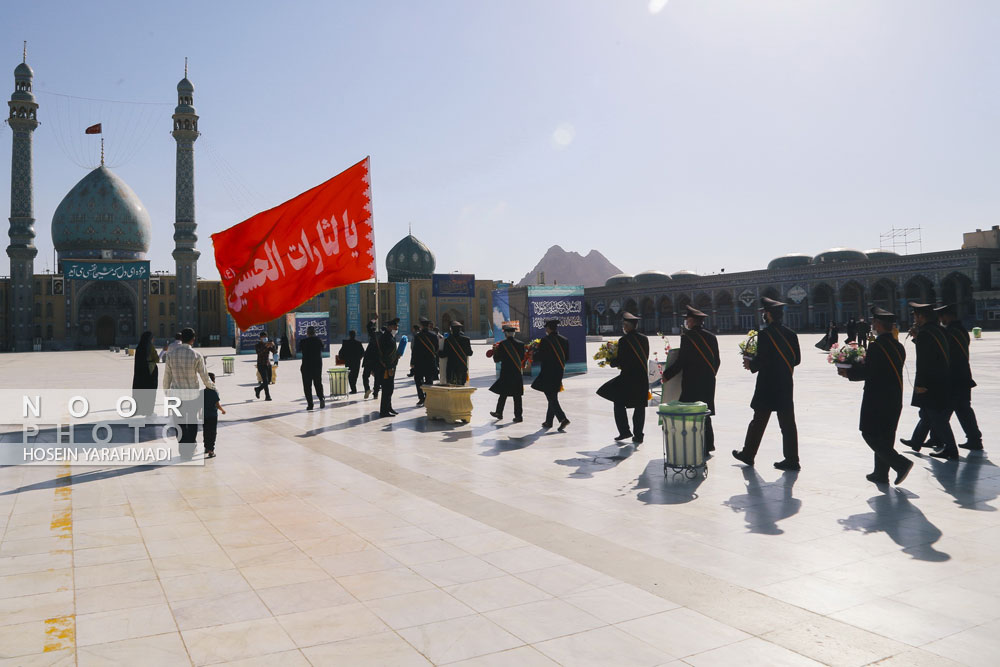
[
  {"x": 599, "y": 461},
  {"x": 671, "y": 488},
  {"x": 972, "y": 484},
  {"x": 902, "y": 521},
  {"x": 766, "y": 503},
  {"x": 512, "y": 443}
]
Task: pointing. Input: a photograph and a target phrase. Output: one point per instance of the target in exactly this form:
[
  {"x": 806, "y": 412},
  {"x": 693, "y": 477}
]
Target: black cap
[
  {"x": 551, "y": 324},
  {"x": 394, "y": 322},
  {"x": 508, "y": 328},
  {"x": 629, "y": 317},
  {"x": 925, "y": 308},
  {"x": 770, "y": 304},
  {"x": 456, "y": 323},
  {"x": 882, "y": 314},
  {"x": 424, "y": 321},
  {"x": 691, "y": 311},
  {"x": 947, "y": 309}
]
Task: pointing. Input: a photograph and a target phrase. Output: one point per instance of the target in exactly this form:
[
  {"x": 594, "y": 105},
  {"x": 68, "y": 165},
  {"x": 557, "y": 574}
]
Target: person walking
[
  {"x": 351, "y": 353},
  {"x": 961, "y": 376},
  {"x": 370, "y": 361},
  {"x": 385, "y": 367},
  {"x": 213, "y": 406},
  {"x": 145, "y": 376},
  {"x": 264, "y": 349},
  {"x": 864, "y": 331},
  {"x": 882, "y": 401},
  {"x": 424, "y": 358},
  {"x": 552, "y": 353},
  {"x": 180, "y": 379},
  {"x": 631, "y": 388},
  {"x": 699, "y": 359},
  {"x": 457, "y": 350},
  {"x": 931, "y": 384},
  {"x": 777, "y": 356},
  {"x": 509, "y": 353},
  {"x": 311, "y": 348},
  {"x": 852, "y": 331}
]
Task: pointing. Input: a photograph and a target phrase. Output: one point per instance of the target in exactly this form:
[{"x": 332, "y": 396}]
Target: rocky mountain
[{"x": 571, "y": 268}]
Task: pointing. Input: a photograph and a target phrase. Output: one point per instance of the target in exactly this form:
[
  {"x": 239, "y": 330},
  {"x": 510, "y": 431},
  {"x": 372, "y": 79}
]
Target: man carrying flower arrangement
[
  {"x": 509, "y": 353},
  {"x": 882, "y": 372},
  {"x": 552, "y": 352},
  {"x": 631, "y": 388},
  {"x": 699, "y": 360},
  {"x": 775, "y": 360},
  {"x": 457, "y": 350}
]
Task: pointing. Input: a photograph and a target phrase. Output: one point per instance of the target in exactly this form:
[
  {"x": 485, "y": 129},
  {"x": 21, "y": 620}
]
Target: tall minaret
[
  {"x": 185, "y": 255},
  {"x": 23, "y": 120}
]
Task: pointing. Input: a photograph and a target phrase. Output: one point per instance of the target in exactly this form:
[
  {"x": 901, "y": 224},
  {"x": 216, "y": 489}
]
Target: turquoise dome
[
  {"x": 409, "y": 259},
  {"x": 101, "y": 213}
]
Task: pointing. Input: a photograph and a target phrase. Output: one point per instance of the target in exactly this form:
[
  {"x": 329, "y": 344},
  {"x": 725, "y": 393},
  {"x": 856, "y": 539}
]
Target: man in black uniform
[
  {"x": 385, "y": 366},
  {"x": 700, "y": 361},
  {"x": 882, "y": 402},
  {"x": 777, "y": 356},
  {"x": 510, "y": 355},
  {"x": 864, "y": 330},
  {"x": 370, "y": 360},
  {"x": 932, "y": 383},
  {"x": 552, "y": 353},
  {"x": 351, "y": 353},
  {"x": 311, "y": 348},
  {"x": 631, "y": 388},
  {"x": 424, "y": 358},
  {"x": 961, "y": 376},
  {"x": 457, "y": 350}
]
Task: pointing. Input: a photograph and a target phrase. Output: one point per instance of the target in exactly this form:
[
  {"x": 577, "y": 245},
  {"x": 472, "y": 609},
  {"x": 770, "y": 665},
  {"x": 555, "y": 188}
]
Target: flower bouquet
[
  {"x": 606, "y": 353},
  {"x": 529, "y": 353},
  {"x": 493, "y": 350},
  {"x": 666, "y": 347},
  {"x": 748, "y": 347},
  {"x": 846, "y": 356}
]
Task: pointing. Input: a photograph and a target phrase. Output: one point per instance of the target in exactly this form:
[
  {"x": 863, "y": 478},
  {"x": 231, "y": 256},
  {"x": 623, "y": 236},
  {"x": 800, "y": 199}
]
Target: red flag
[
  {"x": 280, "y": 258},
  {"x": 93, "y": 129}
]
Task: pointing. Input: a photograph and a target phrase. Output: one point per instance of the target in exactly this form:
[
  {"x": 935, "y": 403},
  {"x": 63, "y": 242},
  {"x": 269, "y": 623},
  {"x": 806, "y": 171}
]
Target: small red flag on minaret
[{"x": 93, "y": 129}]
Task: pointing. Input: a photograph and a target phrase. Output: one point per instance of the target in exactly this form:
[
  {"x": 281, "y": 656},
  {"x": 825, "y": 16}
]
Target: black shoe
[
  {"x": 256, "y": 390},
  {"x": 972, "y": 446},
  {"x": 322, "y": 404},
  {"x": 875, "y": 479},
  {"x": 354, "y": 391},
  {"x": 787, "y": 465},
  {"x": 902, "y": 473},
  {"x": 268, "y": 398},
  {"x": 741, "y": 457},
  {"x": 517, "y": 420},
  {"x": 546, "y": 424},
  {"x": 637, "y": 439},
  {"x": 562, "y": 425},
  {"x": 946, "y": 455},
  {"x": 309, "y": 407},
  {"x": 420, "y": 403},
  {"x": 912, "y": 445},
  {"x": 385, "y": 414},
  {"x": 622, "y": 436},
  {"x": 367, "y": 393},
  {"x": 210, "y": 455},
  {"x": 496, "y": 415},
  {"x": 710, "y": 448}
]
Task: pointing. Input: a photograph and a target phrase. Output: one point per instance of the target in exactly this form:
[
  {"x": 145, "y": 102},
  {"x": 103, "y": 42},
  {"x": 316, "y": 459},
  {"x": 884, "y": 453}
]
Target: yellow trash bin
[
  {"x": 338, "y": 381},
  {"x": 977, "y": 332},
  {"x": 227, "y": 365}
]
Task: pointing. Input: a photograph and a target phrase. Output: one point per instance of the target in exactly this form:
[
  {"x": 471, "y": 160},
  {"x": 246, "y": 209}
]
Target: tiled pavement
[{"x": 333, "y": 537}]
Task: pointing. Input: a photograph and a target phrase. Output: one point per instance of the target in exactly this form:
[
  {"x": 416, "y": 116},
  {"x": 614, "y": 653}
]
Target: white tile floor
[{"x": 333, "y": 537}]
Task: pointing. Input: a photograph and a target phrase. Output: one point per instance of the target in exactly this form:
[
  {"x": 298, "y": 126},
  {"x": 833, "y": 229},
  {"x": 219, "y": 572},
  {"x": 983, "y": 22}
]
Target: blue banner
[
  {"x": 454, "y": 285},
  {"x": 563, "y": 303},
  {"x": 249, "y": 338},
  {"x": 501, "y": 311},
  {"x": 403, "y": 307},
  {"x": 320, "y": 322},
  {"x": 354, "y": 308},
  {"x": 75, "y": 270}
]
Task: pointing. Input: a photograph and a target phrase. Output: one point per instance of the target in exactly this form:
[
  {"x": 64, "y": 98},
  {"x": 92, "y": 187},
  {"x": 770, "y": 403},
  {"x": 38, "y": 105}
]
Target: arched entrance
[
  {"x": 105, "y": 331},
  {"x": 852, "y": 301},
  {"x": 822, "y": 302},
  {"x": 957, "y": 289}
]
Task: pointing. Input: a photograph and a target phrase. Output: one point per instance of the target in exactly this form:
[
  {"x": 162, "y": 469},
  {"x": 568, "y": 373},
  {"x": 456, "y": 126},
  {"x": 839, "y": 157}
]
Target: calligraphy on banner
[
  {"x": 321, "y": 239},
  {"x": 75, "y": 270}
]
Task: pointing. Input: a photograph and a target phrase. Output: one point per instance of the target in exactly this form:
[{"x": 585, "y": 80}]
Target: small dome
[
  {"x": 101, "y": 213},
  {"x": 619, "y": 279},
  {"x": 834, "y": 255},
  {"x": 652, "y": 277},
  {"x": 185, "y": 86},
  {"x": 789, "y": 261},
  {"x": 683, "y": 273},
  {"x": 876, "y": 253},
  {"x": 23, "y": 71},
  {"x": 409, "y": 259}
]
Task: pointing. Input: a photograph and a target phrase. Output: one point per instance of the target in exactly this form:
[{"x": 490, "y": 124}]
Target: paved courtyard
[{"x": 336, "y": 538}]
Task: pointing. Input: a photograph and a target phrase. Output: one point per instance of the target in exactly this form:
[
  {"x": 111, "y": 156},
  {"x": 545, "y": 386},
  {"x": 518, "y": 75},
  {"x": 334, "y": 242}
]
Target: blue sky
[{"x": 699, "y": 134}]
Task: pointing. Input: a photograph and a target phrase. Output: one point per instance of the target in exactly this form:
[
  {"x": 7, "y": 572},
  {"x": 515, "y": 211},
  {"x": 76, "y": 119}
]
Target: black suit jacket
[
  {"x": 509, "y": 354},
  {"x": 777, "y": 356},
  {"x": 312, "y": 355},
  {"x": 351, "y": 352},
  {"x": 552, "y": 354},
  {"x": 700, "y": 361},
  {"x": 631, "y": 387},
  {"x": 882, "y": 373},
  {"x": 933, "y": 368}
]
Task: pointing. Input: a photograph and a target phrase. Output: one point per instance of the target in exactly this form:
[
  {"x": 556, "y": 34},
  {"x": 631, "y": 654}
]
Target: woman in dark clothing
[
  {"x": 145, "y": 375},
  {"x": 830, "y": 339},
  {"x": 285, "y": 352}
]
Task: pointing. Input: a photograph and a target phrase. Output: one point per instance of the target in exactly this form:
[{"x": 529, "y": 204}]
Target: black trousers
[
  {"x": 886, "y": 456},
  {"x": 502, "y": 401},
  {"x": 310, "y": 380},
  {"x": 554, "y": 410},
  {"x": 265, "y": 379},
  {"x": 189, "y": 433},
  {"x": 709, "y": 434},
  {"x": 387, "y": 385},
  {"x": 352, "y": 378},
  {"x": 422, "y": 376},
  {"x": 967, "y": 419},
  {"x": 789, "y": 434},
  {"x": 372, "y": 373},
  {"x": 638, "y": 420},
  {"x": 211, "y": 426}
]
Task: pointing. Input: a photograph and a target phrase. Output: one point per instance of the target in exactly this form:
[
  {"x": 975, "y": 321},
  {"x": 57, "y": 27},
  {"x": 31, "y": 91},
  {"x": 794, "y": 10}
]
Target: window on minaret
[
  {"x": 48, "y": 309},
  {"x": 38, "y": 310},
  {"x": 172, "y": 309},
  {"x": 163, "y": 308}
]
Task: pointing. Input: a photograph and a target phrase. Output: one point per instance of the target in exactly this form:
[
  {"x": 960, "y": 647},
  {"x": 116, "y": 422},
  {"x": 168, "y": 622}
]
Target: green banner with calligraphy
[{"x": 76, "y": 270}]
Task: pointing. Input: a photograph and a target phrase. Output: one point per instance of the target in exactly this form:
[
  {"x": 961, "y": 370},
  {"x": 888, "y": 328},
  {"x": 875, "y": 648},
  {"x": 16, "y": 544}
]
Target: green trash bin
[
  {"x": 227, "y": 365},
  {"x": 338, "y": 382},
  {"x": 684, "y": 437},
  {"x": 977, "y": 332}
]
